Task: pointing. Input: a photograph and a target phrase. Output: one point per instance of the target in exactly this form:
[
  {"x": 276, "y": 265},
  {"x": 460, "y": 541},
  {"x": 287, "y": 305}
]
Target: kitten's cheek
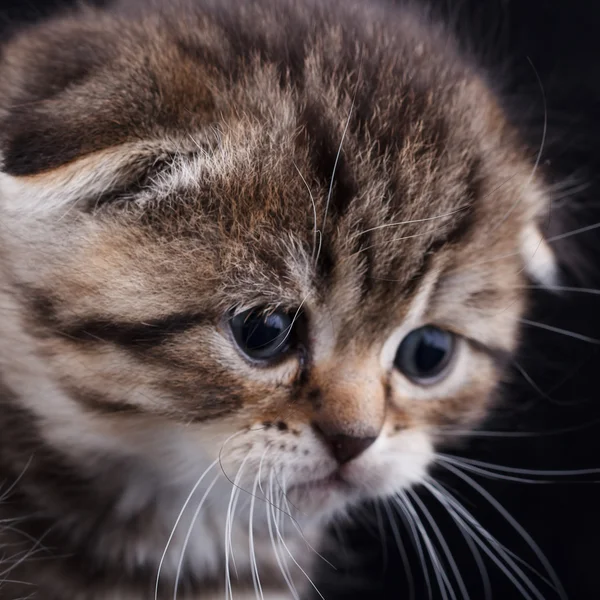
[{"x": 391, "y": 464}]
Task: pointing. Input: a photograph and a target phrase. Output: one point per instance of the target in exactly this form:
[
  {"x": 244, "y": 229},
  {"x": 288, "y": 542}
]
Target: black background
[{"x": 552, "y": 416}]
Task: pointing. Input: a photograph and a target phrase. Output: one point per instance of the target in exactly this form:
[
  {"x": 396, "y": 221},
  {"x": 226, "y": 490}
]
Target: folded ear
[
  {"x": 538, "y": 256},
  {"x": 89, "y": 181},
  {"x": 100, "y": 92}
]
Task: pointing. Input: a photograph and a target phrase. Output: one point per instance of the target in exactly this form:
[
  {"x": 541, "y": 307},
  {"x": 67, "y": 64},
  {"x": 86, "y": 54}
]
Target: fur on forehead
[{"x": 103, "y": 119}]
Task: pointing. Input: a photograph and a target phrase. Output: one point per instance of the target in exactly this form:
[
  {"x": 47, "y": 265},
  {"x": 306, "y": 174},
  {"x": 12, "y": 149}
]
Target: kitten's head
[{"x": 291, "y": 242}]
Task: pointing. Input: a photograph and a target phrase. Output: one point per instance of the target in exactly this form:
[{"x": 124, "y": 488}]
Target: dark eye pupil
[
  {"x": 424, "y": 353},
  {"x": 260, "y": 335}
]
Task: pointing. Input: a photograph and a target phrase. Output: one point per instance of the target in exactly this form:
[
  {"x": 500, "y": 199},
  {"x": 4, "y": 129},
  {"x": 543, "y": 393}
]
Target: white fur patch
[{"x": 539, "y": 259}]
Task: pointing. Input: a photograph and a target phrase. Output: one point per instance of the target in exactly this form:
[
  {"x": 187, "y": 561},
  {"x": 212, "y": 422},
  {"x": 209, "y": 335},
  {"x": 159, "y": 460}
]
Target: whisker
[
  {"x": 440, "y": 575},
  {"x": 289, "y": 552},
  {"x": 253, "y": 566},
  {"x": 516, "y": 526},
  {"x": 259, "y": 474},
  {"x": 177, "y": 520},
  {"x": 559, "y": 330},
  {"x": 485, "y": 578},
  {"x": 279, "y": 520},
  {"x": 189, "y": 533},
  {"x": 559, "y": 288},
  {"x": 400, "y": 501},
  {"x": 235, "y": 485},
  {"x": 550, "y": 240},
  {"x": 448, "y": 431},
  {"x": 410, "y": 221},
  {"x": 277, "y": 517},
  {"x": 297, "y": 527},
  {"x": 235, "y": 490},
  {"x": 401, "y": 549},
  {"x": 492, "y": 475},
  {"x": 316, "y": 231},
  {"x": 519, "y": 470},
  {"x": 396, "y": 239},
  {"x": 19, "y": 558},
  {"x": 443, "y": 544},
  {"x": 534, "y": 385},
  {"x": 492, "y": 540},
  {"x": 228, "y": 587},
  {"x": 562, "y": 236},
  {"x": 539, "y": 154},
  {"x": 337, "y": 157},
  {"x": 6, "y": 493},
  {"x": 282, "y": 569},
  {"x": 472, "y": 526},
  {"x": 545, "y": 326},
  {"x": 458, "y": 270}
]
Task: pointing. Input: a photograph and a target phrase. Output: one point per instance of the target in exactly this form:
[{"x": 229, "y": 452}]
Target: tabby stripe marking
[{"x": 142, "y": 335}]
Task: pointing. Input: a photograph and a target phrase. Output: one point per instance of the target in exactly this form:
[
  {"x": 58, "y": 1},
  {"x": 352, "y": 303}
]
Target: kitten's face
[{"x": 308, "y": 275}]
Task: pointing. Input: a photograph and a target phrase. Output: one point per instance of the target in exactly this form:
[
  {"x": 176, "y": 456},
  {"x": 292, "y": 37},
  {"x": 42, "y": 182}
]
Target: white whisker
[
  {"x": 532, "y": 383},
  {"x": 410, "y": 221},
  {"x": 448, "y": 431},
  {"x": 443, "y": 544},
  {"x": 442, "y": 580},
  {"x": 401, "y": 549},
  {"x": 396, "y": 239},
  {"x": 179, "y": 516},
  {"x": 466, "y": 535},
  {"x": 189, "y": 533},
  {"x": 259, "y": 474},
  {"x": 282, "y": 568},
  {"x": 400, "y": 501},
  {"x": 516, "y": 526},
  {"x": 285, "y": 546},
  {"x": 235, "y": 489},
  {"x": 253, "y": 565},
  {"x": 560, "y": 288},
  {"x": 571, "y": 334},
  {"x": 335, "y": 164},
  {"x": 544, "y": 472},
  {"x": 499, "y": 476},
  {"x": 301, "y": 533},
  {"x": 475, "y": 530},
  {"x": 503, "y": 551},
  {"x": 316, "y": 231},
  {"x": 566, "y": 234}
]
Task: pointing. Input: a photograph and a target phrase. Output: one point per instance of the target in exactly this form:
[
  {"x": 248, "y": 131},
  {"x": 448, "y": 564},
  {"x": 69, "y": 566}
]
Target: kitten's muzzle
[{"x": 347, "y": 399}]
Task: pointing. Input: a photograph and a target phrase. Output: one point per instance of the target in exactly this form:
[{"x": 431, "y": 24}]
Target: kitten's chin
[{"x": 321, "y": 497}]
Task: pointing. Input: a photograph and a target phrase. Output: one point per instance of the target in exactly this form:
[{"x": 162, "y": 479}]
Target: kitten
[{"x": 256, "y": 258}]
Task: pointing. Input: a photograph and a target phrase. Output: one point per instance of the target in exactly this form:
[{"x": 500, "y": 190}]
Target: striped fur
[{"x": 164, "y": 164}]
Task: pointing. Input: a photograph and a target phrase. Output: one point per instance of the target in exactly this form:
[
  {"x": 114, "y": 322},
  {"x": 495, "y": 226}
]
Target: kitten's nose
[{"x": 344, "y": 447}]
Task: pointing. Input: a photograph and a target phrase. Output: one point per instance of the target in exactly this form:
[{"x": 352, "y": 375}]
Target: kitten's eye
[
  {"x": 260, "y": 335},
  {"x": 425, "y": 354}
]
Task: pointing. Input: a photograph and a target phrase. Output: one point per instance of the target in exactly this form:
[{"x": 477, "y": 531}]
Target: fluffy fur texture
[{"x": 166, "y": 166}]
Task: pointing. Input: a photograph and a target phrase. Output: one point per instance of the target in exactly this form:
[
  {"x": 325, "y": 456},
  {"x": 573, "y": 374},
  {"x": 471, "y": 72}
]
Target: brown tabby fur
[{"x": 165, "y": 165}]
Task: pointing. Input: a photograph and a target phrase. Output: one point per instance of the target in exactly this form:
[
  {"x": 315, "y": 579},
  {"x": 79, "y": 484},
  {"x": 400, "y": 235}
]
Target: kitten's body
[{"x": 164, "y": 166}]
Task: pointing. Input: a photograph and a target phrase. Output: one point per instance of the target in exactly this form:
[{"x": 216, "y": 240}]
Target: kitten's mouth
[{"x": 332, "y": 482}]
